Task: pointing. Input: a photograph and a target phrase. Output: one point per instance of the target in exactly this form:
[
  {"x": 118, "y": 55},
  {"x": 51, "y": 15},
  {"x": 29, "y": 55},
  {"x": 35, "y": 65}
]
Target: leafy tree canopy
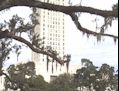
[
  {"x": 101, "y": 78},
  {"x": 23, "y": 76}
]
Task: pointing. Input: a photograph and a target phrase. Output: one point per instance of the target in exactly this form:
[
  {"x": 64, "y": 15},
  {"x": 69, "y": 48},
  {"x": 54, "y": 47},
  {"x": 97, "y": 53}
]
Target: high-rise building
[{"x": 51, "y": 27}]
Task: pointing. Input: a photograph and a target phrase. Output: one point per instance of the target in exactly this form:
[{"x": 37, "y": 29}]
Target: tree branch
[
  {"x": 87, "y": 31},
  {"x": 2, "y": 73},
  {"x": 7, "y": 77},
  {"x": 64, "y": 9},
  {"x": 70, "y": 10},
  {"x": 20, "y": 39}
]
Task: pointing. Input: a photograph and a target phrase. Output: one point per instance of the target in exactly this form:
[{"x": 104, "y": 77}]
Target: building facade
[{"x": 51, "y": 28}]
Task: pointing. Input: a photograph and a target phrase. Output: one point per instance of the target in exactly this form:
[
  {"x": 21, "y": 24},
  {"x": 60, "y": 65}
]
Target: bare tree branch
[
  {"x": 4, "y": 34},
  {"x": 87, "y": 31},
  {"x": 70, "y": 10},
  {"x": 64, "y": 9}
]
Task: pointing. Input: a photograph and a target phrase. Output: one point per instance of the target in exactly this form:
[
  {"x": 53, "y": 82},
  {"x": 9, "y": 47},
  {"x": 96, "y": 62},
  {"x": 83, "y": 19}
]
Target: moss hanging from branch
[
  {"x": 52, "y": 65},
  {"x": 47, "y": 63},
  {"x": 56, "y": 66},
  {"x": 60, "y": 68},
  {"x": 68, "y": 60}
]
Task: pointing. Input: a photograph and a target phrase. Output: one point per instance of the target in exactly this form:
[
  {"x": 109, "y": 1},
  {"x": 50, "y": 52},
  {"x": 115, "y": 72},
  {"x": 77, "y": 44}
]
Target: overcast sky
[
  {"x": 81, "y": 47},
  {"x": 77, "y": 45}
]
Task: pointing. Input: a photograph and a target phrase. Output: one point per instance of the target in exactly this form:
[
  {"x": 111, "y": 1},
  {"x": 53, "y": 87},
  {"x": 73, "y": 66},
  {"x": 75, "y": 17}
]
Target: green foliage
[
  {"x": 16, "y": 26},
  {"x": 89, "y": 76},
  {"x": 23, "y": 76},
  {"x": 107, "y": 77},
  {"x": 63, "y": 82},
  {"x": 37, "y": 82},
  {"x": 86, "y": 75}
]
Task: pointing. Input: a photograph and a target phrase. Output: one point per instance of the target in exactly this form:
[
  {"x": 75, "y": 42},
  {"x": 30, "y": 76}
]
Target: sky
[
  {"x": 98, "y": 52},
  {"x": 78, "y": 45}
]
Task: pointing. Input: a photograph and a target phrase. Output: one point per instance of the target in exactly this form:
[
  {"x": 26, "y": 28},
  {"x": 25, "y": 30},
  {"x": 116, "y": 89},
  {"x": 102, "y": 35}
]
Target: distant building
[{"x": 51, "y": 27}]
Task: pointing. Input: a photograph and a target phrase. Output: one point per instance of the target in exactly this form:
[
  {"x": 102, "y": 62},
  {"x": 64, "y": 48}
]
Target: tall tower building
[{"x": 51, "y": 27}]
